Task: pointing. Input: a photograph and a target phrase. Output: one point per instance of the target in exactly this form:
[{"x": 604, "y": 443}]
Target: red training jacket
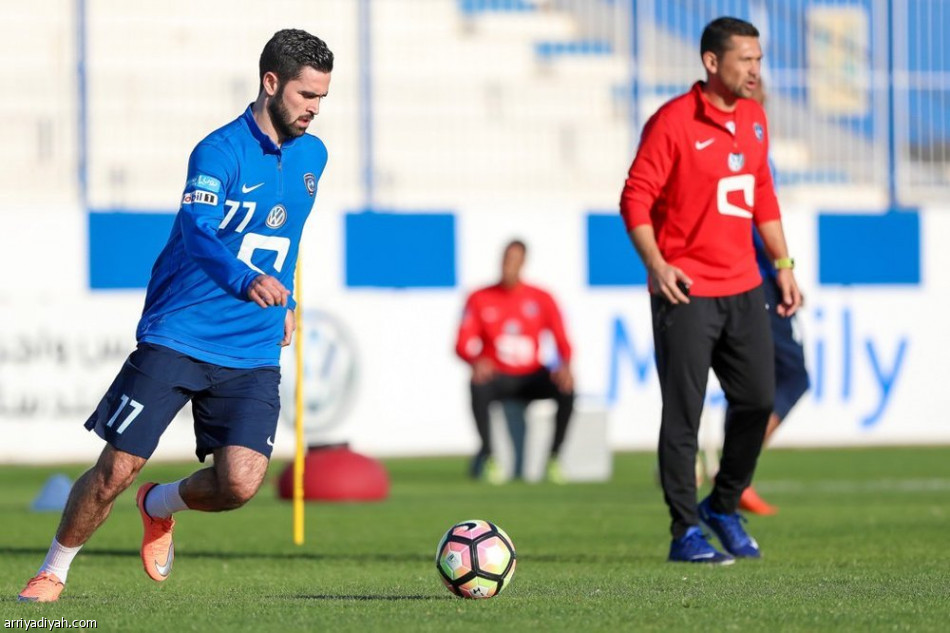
[
  {"x": 701, "y": 187},
  {"x": 504, "y": 325}
]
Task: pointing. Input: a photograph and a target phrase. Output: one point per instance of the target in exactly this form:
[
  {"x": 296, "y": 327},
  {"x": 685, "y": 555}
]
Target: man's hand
[
  {"x": 563, "y": 379},
  {"x": 483, "y": 370},
  {"x": 266, "y": 291},
  {"x": 791, "y": 295},
  {"x": 290, "y": 324},
  {"x": 667, "y": 279}
]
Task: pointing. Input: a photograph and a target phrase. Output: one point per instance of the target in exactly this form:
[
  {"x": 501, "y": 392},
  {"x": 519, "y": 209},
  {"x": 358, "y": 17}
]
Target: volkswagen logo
[
  {"x": 276, "y": 217},
  {"x": 329, "y": 375}
]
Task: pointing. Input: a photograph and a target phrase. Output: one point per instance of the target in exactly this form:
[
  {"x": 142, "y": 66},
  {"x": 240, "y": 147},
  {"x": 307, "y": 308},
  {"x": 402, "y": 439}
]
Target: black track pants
[{"x": 732, "y": 336}]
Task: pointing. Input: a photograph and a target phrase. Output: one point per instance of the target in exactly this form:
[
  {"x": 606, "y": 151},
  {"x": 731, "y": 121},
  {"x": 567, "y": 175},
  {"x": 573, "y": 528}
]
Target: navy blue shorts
[
  {"x": 791, "y": 377},
  {"x": 231, "y": 407}
]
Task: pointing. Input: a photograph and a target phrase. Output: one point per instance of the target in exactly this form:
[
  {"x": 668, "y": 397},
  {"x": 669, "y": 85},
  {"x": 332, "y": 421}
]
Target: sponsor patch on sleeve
[
  {"x": 200, "y": 197},
  {"x": 205, "y": 197},
  {"x": 208, "y": 183}
]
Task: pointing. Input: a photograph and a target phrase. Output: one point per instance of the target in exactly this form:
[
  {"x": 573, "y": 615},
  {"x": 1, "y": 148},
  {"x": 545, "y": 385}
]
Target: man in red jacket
[
  {"x": 698, "y": 183},
  {"x": 499, "y": 338}
]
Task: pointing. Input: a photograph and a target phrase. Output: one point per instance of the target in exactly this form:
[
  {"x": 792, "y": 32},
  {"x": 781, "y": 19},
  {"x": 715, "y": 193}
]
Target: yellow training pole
[{"x": 298, "y": 418}]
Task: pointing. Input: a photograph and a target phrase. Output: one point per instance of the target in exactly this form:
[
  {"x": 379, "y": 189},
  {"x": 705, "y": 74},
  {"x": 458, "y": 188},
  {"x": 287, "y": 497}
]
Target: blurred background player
[
  {"x": 699, "y": 182},
  {"x": 217, "y": 310},
  {"x": 791, "y": 376},
  {"x": 500, "y": 338}
]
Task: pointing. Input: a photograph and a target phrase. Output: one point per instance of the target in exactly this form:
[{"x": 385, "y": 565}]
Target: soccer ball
[{"x": 475, "y": 559}]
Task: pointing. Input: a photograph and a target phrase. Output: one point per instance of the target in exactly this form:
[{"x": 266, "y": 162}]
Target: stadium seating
[
  {"x": 39, "y": 109},
  {"x": 513, "y": 97}
]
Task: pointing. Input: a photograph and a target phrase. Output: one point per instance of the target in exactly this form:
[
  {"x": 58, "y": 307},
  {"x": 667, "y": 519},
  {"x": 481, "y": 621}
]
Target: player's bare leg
[
  {"x": 90, "y": 502},
  {"x": 229, "y": 483},
  {"x": 94, "y": 493}
]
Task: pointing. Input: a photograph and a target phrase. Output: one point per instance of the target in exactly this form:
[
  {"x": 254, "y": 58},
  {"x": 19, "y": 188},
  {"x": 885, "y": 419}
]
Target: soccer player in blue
[
  {"x": 219, "y": 306},
  {"x": 791, "y": 375}
]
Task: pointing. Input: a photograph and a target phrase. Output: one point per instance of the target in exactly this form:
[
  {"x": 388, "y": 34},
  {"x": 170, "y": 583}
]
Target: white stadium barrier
[{"x": 512, "y": 123}]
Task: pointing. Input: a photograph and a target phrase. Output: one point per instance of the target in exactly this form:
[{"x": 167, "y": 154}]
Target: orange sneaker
[
  {"x": 750, "y": 501},
  {"x": 158, "y": 549},
  {"x": 43, "y": 587}
]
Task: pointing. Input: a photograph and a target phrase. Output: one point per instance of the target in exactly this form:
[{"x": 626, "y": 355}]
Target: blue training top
[{"x": 242, "y": 213}]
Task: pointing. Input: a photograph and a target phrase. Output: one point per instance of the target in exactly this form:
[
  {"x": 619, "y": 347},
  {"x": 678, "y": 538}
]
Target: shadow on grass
[
  {"x": 134, "y": 553},
  {"x": 77, "y": 599},
  {"x": 360, "y": 557},
  {"x": 365, "y": 598}
]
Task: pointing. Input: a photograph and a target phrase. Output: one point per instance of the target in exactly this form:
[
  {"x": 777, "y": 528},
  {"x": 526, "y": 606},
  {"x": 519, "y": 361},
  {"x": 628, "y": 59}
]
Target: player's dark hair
[
  {"x": 289, "y": 50},
  {"x": 717, "y": 36},
  {"x": 517, "y": 243}
]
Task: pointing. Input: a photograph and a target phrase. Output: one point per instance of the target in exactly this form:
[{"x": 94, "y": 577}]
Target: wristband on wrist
[{"x": 784, "y": 262}]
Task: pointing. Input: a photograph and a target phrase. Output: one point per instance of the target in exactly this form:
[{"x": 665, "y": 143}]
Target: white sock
[
  {"x": 58, "y": 559},
  {"x": 163, "y": 500}
]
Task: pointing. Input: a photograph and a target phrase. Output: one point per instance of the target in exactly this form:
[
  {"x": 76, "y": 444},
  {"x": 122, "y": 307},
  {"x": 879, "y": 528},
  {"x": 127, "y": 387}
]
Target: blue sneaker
[
  {"x": 693, "y": 547},
  {"x": 728, "y": 527}
]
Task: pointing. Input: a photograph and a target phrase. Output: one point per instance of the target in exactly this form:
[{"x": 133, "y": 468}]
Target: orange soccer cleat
[
  {"x": 158, "y": 549},
  {"x": 750, "y": 501},
  {"x": 43, "y": 587}
]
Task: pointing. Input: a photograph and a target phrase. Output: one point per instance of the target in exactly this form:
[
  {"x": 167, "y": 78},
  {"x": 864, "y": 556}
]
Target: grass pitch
[{"x": 860, "y": 544}]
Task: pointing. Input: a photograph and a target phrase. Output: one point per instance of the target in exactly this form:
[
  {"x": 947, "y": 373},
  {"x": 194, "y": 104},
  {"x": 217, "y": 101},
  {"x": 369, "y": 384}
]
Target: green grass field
[{"x": 861, "y": 543}]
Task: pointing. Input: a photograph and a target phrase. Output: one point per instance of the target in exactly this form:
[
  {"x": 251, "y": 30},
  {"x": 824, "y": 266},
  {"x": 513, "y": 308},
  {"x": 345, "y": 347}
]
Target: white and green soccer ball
[{"x": 475, "y": 559}]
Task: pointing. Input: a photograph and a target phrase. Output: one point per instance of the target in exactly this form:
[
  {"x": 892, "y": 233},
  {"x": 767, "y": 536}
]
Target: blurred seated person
[{"x": 499, "y": 338}]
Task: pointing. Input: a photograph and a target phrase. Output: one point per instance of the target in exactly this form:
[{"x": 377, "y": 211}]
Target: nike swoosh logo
[
  {"x": 270, "y": 442},
  {"x": 703, "y": 145},
  {"x": 167, "y": 567},
  {"x": 246, "y": 189},
  {"x": 706, "y": 555}
]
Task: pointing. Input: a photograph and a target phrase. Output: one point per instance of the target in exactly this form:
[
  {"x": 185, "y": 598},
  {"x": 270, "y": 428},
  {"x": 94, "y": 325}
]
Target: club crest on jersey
[
  {"x": 276, "y": 216},
  {"x": 759, "y": 132},
  {"x": 311, "y": 182},
  {"x": 736, "y": 161},
  {"x": 530, "y": 309}
]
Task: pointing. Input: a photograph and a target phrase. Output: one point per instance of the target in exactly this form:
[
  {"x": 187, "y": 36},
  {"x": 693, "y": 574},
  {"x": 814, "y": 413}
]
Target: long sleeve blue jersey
[
  {"x": 766, "y": 266},
  {"x": 242, "y": 214}
]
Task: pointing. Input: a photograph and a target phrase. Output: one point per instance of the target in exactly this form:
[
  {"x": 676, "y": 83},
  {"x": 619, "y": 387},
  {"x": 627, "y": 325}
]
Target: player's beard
[
  {"x": 281, "y": 118},
  {"x": 742, "y": 92}
]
